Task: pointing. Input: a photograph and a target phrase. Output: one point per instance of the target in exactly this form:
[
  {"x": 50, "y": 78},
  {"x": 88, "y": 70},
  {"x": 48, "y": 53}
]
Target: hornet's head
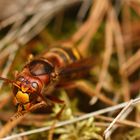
[
  {"x": 30, "y": 81},
  {"x": 25, "y": 87}
]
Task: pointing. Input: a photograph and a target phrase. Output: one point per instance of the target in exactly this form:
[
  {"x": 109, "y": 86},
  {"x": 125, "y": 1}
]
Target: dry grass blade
[
  {"x": 121, "y": 54},
  {"x": 127, "y": 25},
  {"x": 16, "y": 119},
  {"x": 89, "y": 23},
  {"x": 67, "y": 122},
  {"x": 132, "y": 64},
  {"x": 107, "y": 132},
  {"x": 93, "y": 24},
  {"x": 31, "y": 26},
  {"x": 9, "y": 62},
  {"x": 107, "y": 55},
  {"x": 122, "y": 122},
  {"x": 9, "y": 126},
  {"x": 83, "y": 10},
  {"x": 89, "y": 90},
  {"x": 50, "y": 135},
  {"x": 109, "y": 30}
]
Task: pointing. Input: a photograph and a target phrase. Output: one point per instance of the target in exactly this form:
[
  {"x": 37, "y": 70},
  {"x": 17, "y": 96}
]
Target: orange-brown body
[{"x": 39, "y": 73}]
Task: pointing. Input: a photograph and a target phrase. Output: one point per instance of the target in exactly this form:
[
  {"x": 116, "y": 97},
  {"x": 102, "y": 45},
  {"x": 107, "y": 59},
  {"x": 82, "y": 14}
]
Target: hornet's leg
[{"x": 58, "y": 115}]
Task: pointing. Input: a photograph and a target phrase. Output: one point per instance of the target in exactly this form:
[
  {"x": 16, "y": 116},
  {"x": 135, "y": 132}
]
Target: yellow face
[
  {"x": 22, "y": 97},
  {"x": 25, "y": 88}
]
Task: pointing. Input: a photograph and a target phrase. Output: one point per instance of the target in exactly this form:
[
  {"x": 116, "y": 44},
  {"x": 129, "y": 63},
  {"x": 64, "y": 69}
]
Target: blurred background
[{"x": 109, "y": 30}]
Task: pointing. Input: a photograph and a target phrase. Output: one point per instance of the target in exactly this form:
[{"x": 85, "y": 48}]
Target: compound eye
[
  {"x": 35, "y": 85},
  {"x": 21, "y": 79}
]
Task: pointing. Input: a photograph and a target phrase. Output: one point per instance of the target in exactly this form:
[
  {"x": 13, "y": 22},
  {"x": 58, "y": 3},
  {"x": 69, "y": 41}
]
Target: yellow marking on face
[
  {"x": 24, "y": 89},
  {"x": 22, "y": 97}
]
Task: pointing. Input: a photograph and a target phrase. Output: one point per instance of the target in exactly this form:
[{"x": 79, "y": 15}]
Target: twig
[
  {"x": 122, "y": 122},
  {"x": 107, "y": 131},
  {"x": 121, "y": 55},
  {"x": 87, "y": 88},
  {"x": 83, "y": 10},
  {"x": 95, "y": 21},
  {"x": 10, "y": 125},
  {"x": 44, "y": 16},
  {"x": 94, "y": 13},
  {"x": 107, "y": 55},
  {"x": 132, "y": 64},
  {"x": 104, "y": 124},
  {"x": 30, "y": 119},
  {"x": 46, "y": 7},
  {"x": 29, "y": 9},
  {"x": 83, "y": 117},
  {"x": 127, "y": 24},
  {"x": 126, "y": 113},
  {"x": 10, "y": 61},
  {"x": 16, "y": 118},
  {"x": 51, "y": 132},
  {"x": 10, "y": 20}
]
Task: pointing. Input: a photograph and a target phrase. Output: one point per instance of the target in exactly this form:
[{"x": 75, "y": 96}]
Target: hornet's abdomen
[{"x": 61, "y": 56}]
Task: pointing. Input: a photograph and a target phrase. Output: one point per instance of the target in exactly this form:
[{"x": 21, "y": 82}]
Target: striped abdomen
[{"x": 61, "y": 56}]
